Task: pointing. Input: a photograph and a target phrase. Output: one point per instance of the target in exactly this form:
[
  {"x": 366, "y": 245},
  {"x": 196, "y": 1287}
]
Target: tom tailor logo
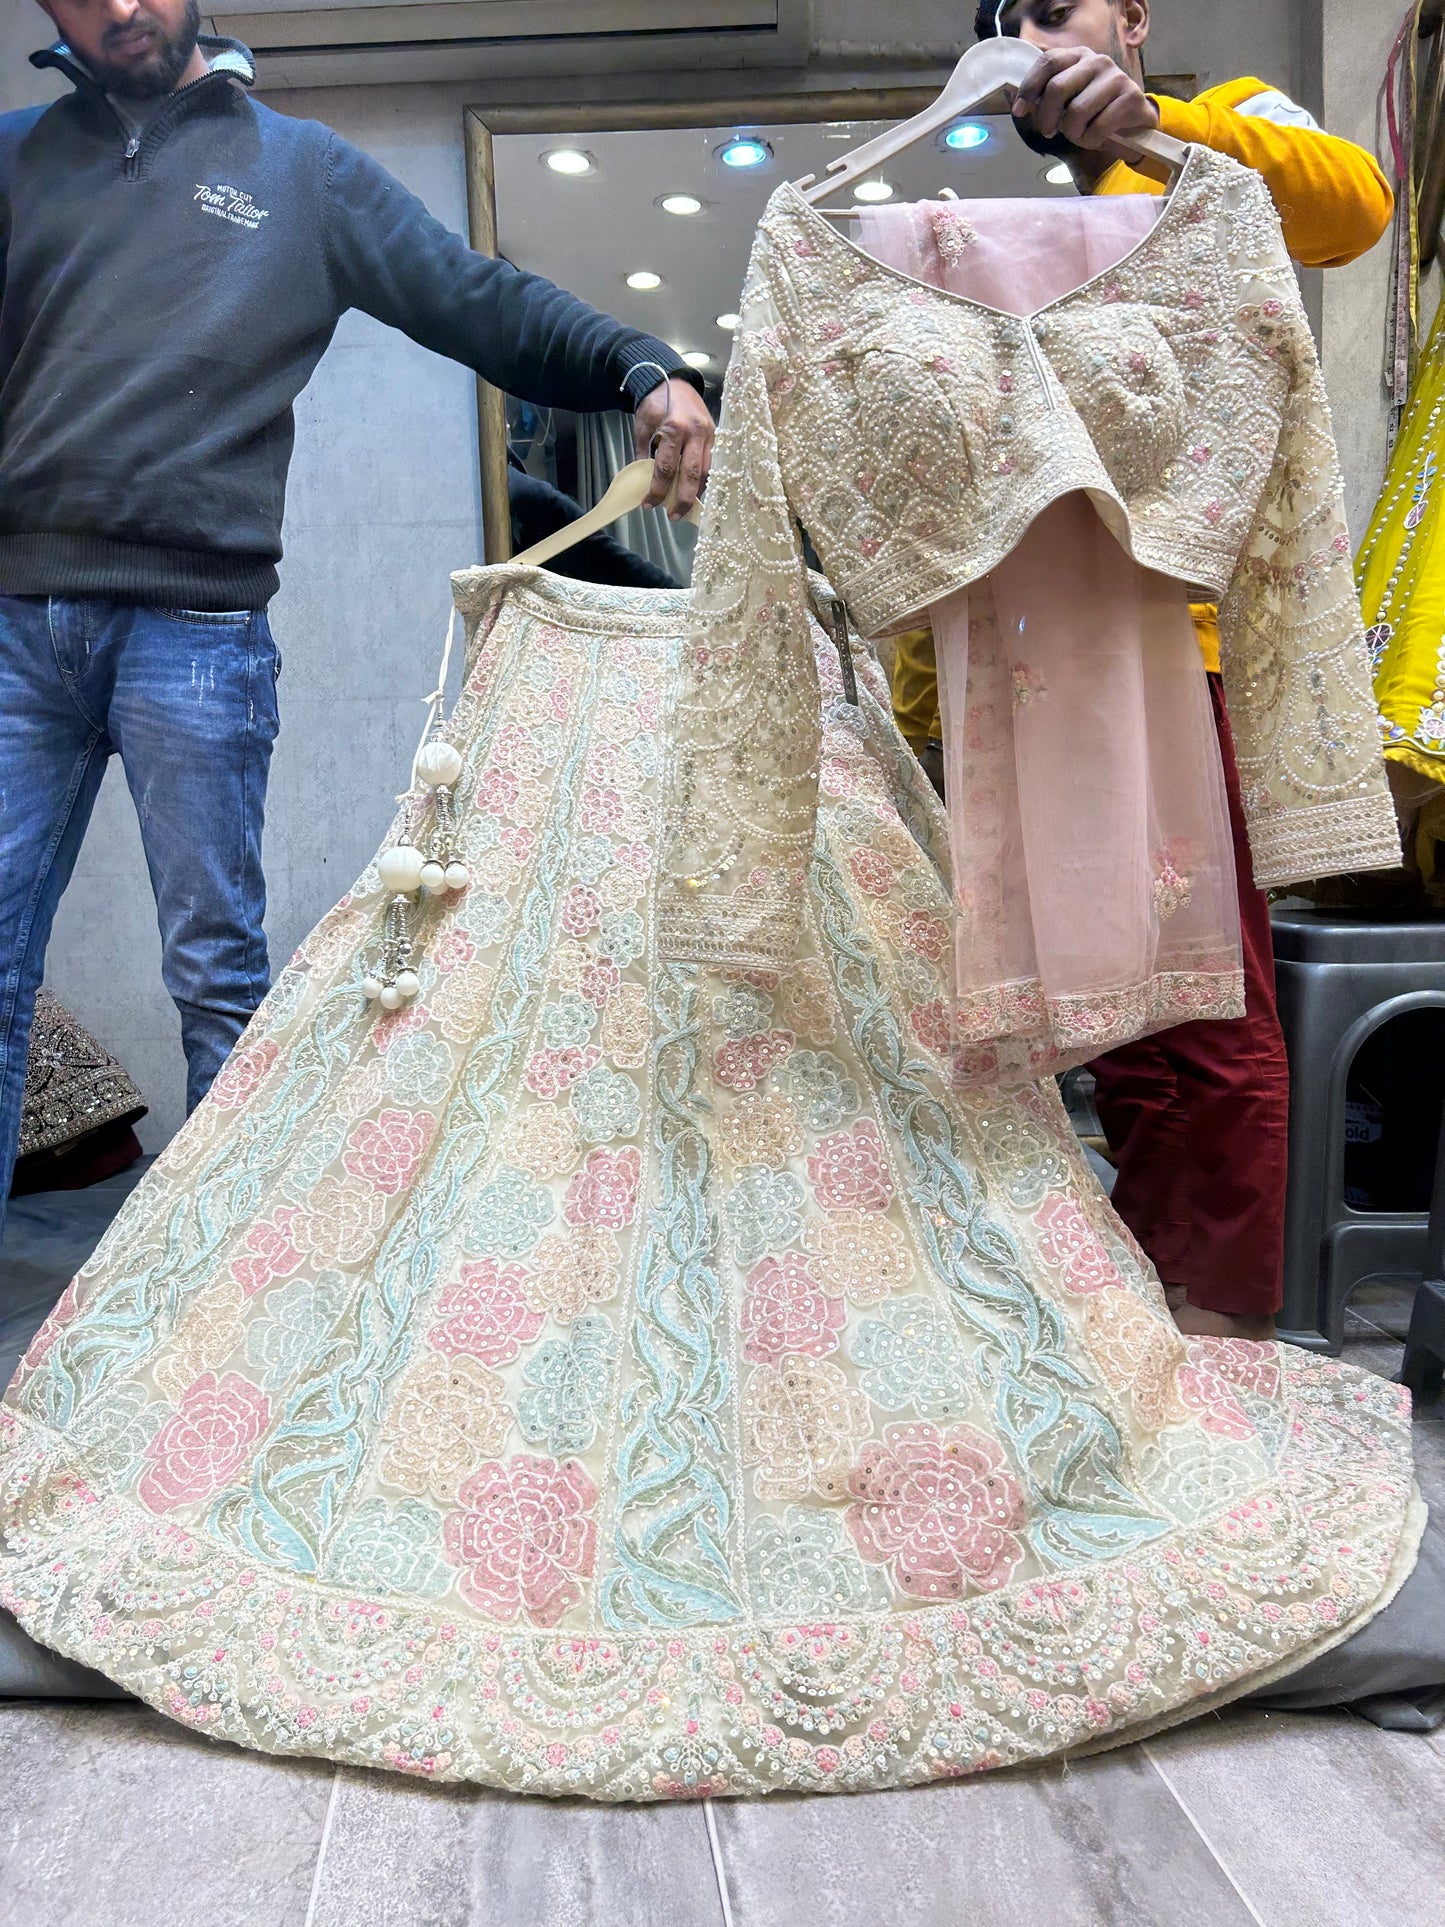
[{"x": 231, "y": 204}]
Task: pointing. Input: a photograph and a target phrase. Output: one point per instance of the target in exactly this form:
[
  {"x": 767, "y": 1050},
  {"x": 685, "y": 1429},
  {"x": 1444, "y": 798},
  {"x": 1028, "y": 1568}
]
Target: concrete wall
[
  {"x": 383, "y": 499},
  {"x": 23, "y": 28},
  {"x": 1355, "y": 44}
]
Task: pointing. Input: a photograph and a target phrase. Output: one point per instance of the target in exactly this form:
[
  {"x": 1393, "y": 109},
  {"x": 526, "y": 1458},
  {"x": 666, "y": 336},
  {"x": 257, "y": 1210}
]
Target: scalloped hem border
[{"x": 1407, "y": 1554}]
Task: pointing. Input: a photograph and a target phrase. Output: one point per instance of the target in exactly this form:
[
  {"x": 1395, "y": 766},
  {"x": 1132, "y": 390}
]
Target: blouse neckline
[{"x": 1168, "y": 214}]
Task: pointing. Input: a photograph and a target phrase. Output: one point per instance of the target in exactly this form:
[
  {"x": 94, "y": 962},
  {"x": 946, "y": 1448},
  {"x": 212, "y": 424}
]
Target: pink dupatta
[{"x": 1094, "y": 877}]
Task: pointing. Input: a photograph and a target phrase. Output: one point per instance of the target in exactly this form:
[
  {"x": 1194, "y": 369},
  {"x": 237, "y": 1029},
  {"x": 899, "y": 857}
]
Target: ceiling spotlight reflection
[
  {"x": 569, "y": 160},
  {"x": 1059, "y": 175},
  {"x": 644, "y": 280},
  {"x": 680, "y": 204},
  {"x": 746, "y": 151},
  {"x": 968, "y": 133},
  {"x": 873, "y": 191},
  {"x": 695, "y": 358},
  {"x": 729, "y": 323}
]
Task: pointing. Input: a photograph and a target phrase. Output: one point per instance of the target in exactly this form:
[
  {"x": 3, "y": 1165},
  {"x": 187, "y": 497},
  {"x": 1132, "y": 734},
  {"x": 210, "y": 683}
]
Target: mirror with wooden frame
[{"x": 647, "y": 210}]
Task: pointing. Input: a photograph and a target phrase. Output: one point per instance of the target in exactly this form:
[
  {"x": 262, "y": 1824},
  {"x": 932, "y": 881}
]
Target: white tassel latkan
[{"x": 407, "y": 869}]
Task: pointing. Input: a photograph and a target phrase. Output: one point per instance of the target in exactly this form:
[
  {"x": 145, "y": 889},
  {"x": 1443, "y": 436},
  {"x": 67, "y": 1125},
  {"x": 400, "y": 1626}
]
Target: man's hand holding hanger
[
  {"x": 674, "y": 427},
  {"x": 1088, "y": 100}
]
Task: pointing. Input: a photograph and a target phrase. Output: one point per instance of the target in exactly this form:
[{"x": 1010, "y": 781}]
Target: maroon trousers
[{"x": 1198, "y": 1119}]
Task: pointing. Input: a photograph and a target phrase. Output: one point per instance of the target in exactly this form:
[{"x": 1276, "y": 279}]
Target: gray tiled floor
[{"x": 112, "y": 1817}]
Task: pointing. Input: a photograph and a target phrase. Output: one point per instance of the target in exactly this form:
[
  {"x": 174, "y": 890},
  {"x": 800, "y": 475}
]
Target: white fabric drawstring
[{"x": 435, "y": 702}]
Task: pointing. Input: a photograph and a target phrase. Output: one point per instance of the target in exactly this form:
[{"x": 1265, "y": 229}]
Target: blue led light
[
  {"x": 967, "y": 134},
  {"x": 745, "y": 153}
]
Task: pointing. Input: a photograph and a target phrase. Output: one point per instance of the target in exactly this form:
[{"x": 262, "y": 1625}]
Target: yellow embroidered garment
[
  {"x": 1402, "y": 588},
  {"x": 916, "y": 435}
]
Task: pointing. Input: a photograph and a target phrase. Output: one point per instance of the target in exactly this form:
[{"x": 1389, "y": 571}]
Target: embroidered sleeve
[
  {"x": 1296, "y": 673},
  {"x": 743, "y": 742}
]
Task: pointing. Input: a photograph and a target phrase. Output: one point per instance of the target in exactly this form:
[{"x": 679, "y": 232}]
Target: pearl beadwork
[
  {"x": 400, "y": 869},
  {"x": 433, "y": 877},
  {"x": 438, "y": 764}
]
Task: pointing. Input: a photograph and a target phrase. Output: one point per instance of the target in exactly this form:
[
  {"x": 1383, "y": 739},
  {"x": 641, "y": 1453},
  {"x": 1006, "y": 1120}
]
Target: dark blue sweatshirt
[{"x": 165, "y": 298}]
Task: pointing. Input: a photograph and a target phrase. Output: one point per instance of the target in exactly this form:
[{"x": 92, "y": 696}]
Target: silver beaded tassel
[
  {"x": 444, "y": 869},
  {"x": 393, "y": 982},
  {"x": 406, "y": 869}
]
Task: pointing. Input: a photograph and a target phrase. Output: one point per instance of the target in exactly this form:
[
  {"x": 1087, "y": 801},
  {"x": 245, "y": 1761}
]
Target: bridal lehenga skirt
[{"x": 628, "y": 1378}]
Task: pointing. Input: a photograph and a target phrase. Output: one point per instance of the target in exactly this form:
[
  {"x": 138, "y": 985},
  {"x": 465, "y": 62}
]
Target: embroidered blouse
[{"x": 916, "y": 434}]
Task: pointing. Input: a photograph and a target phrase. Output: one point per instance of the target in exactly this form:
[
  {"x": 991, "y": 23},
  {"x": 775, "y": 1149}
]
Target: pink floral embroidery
[
  {"x": 872, "y": 872},
  {"x": 1171, "y": 891},
  {"x": 954, "y": 234},
  {"x": 849, "y": 1170},
  {"x": 743, "y": 1064},
  {"x": 484, "y": 1314},
  {"x": 202, "y": 1446},
  {"x": 497, "y": 791},
  {"x": 1253, "y": 1368},
  {"x": 1026, "y": 684},
  {"x": 1209, "y": 1395},
  {"x": 524, "y": 1537},
  {"x": 384, "y": 1152},
  {"x": 786, "y": 1310},
  {"x": 271, "y": 1254},
  {"x": 837, "y": 777},
  {"x": 604, "y": 1191},
  {"x": 926, "y": 934},
  {"x": 581, "y": 909},
  {"x": 1207, "y": 1382},
  {"x": 455, "y": 949},
  {"x": 598, "y": 981},
  {"x": 601, "y": 810},
  {"x": 519, "y": 842},
  {"x": 932, "y": 1025},
  {"x": 554, "y": 1070},
  {"x": 395, "y": 1024},
  {"x": 1070, "y": 1242},
  {"x": 243, "y": 1073},
  {"x": 938, "y": 1506}
]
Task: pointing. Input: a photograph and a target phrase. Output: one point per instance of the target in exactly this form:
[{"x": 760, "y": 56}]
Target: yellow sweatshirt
[{"x": 1334, "y": 203}]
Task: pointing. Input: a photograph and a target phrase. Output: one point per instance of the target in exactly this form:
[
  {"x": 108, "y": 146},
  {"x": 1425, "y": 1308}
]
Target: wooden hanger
[
  {"x": 625, "y": 492},
  {"x": 986, "y": 80}
]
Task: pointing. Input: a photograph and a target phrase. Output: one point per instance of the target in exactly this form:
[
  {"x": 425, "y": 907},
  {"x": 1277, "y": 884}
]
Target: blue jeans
[{"x": 188, "y": 702}]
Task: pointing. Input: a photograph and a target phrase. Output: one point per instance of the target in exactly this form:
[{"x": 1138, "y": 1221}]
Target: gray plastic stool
[
  {"x": 1424, "y": 1367},
  {"x": 1340, "y": 978}
]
